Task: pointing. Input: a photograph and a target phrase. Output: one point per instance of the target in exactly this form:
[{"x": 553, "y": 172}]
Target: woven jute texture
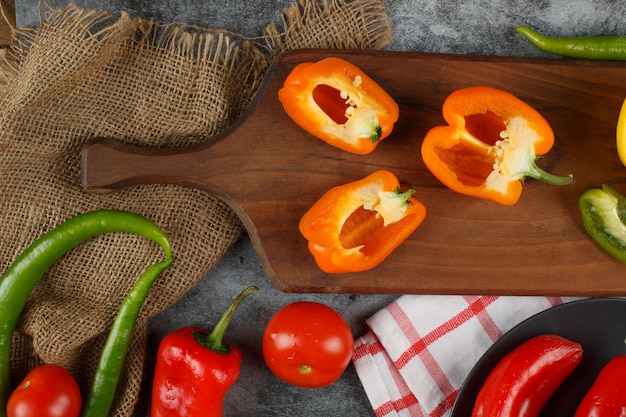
[{"x": 87, "y": 73}]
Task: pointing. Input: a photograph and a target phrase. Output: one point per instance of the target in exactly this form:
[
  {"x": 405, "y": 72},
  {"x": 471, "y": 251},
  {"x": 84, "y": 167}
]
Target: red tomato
[
  {"x": 307, "y": 344},
  {"x": 47, "y": 391}
]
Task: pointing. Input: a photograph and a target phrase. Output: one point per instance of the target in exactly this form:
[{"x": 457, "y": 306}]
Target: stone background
[{"x": 447, "y": 26}]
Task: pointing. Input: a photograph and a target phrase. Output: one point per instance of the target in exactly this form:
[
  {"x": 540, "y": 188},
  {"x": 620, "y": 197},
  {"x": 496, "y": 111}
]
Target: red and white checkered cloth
[{"x": 422, "y": 347}]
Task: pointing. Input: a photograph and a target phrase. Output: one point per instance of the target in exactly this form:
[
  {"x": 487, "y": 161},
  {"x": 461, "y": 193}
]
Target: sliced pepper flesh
[
  {"x": 604, "y": 217},
  {"x": 338, "y": 103},
  {"x": 490, "y": 145},
  {"x": 355, "y": 226}
]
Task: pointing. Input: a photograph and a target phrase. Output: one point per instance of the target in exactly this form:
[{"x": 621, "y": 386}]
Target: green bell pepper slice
[{"x": 604, "y": 217}]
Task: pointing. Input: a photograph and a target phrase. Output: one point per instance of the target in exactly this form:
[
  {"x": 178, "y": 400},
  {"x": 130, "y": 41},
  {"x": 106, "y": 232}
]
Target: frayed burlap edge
[
  {"x": 302, "y": 21},
  {"x": 8, "y": 66},
  {"x": 27, "y": 83}
]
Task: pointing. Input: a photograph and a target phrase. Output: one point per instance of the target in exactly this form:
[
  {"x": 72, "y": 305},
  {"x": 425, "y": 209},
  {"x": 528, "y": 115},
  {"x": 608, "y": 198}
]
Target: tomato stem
[{"x": 305, "y": 369}]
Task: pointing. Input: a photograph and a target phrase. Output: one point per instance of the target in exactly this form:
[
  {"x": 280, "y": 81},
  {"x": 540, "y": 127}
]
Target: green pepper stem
[
  {"x": 543, "y": 176},
  {"x": 215, "y": 339},
  {"x": 538, "y": 39},
  {"x": 376, "y": 134},
  {"x": 405, "y": 196}
]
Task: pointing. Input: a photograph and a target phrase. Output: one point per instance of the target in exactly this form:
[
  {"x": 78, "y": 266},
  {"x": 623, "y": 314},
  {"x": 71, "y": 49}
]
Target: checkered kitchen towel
[{"x": 421, "y": 348}]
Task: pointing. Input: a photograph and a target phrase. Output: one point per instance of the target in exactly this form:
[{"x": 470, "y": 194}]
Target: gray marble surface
[{"x": 448, "y": 26}]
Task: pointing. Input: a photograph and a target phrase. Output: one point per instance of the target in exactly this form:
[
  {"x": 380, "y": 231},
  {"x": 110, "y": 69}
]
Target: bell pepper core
[
  {"x": 604, "y": 218},
  {"x": 355, "y": 226},
  {"x": 338, "y": 103},
  {"x": 490, "y": 145},
  {"x": 195, "y": 368}
]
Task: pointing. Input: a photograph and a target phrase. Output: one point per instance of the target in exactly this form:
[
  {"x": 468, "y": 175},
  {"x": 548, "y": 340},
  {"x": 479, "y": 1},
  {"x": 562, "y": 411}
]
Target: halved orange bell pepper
[
  {"x": 338, "y": 103},
  {"x": 490, "y": 145},
  {"x": 355, "y": 226}
]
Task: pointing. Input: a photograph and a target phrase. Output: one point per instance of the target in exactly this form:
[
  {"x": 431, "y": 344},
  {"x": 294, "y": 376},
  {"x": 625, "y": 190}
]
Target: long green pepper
[
  {"x": 609, "y": 48},
  {"x": 21, "y": 278},
  {"x": 104, "y": 385}
]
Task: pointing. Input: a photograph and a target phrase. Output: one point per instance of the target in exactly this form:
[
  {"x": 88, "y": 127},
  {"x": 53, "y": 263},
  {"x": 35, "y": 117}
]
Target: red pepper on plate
[
  {"x": 489, "y": 146},
  {"x": 338, "y": 103},
  {"x": 523, "y": 381},
  {"x": 607, "y": 395},
  {"x": 355, "y": 226},
  {"x": 195, "y": 369}
]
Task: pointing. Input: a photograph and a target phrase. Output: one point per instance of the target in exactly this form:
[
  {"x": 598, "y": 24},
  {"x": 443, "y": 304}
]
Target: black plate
[{"x": 599, "y": 325}]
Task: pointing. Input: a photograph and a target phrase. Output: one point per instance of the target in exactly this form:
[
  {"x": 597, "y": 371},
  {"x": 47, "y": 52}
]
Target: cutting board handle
[
  {"x": 213, "y": 165},
  {"x": 109, "y": 165}
]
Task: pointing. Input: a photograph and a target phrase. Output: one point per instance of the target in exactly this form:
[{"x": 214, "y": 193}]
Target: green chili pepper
[
  {"x": 610, "y": 48},
  {"x": 604, "y": 217},
  {"x": 106, "y": 378},
  {"x": 20, "y": 279}
]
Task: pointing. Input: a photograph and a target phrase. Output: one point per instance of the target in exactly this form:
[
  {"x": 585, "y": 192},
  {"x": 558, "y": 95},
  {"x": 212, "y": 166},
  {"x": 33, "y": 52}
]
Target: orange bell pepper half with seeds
[
  {"x": 355, "y": 226},
  {"x": 338, "y": 103},
  {"x": 490, "y": 145}
]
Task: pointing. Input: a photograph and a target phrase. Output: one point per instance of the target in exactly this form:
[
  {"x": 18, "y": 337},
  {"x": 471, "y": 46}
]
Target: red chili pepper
[
  {"x": 607, "y": 395},
  {"x": 338, "y": 103},
  {"x": 355, "y": 226},
  {"x": 522, "y": 382},
  {"x": 195, "y": 368}
]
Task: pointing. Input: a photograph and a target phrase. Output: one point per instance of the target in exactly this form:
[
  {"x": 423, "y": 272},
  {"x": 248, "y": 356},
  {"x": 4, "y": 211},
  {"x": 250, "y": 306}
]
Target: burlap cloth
[{"x": 86, "y": 73}]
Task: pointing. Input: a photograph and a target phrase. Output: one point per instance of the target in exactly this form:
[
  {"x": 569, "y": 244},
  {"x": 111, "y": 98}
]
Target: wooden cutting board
[{"x": 270, "y": 172}]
